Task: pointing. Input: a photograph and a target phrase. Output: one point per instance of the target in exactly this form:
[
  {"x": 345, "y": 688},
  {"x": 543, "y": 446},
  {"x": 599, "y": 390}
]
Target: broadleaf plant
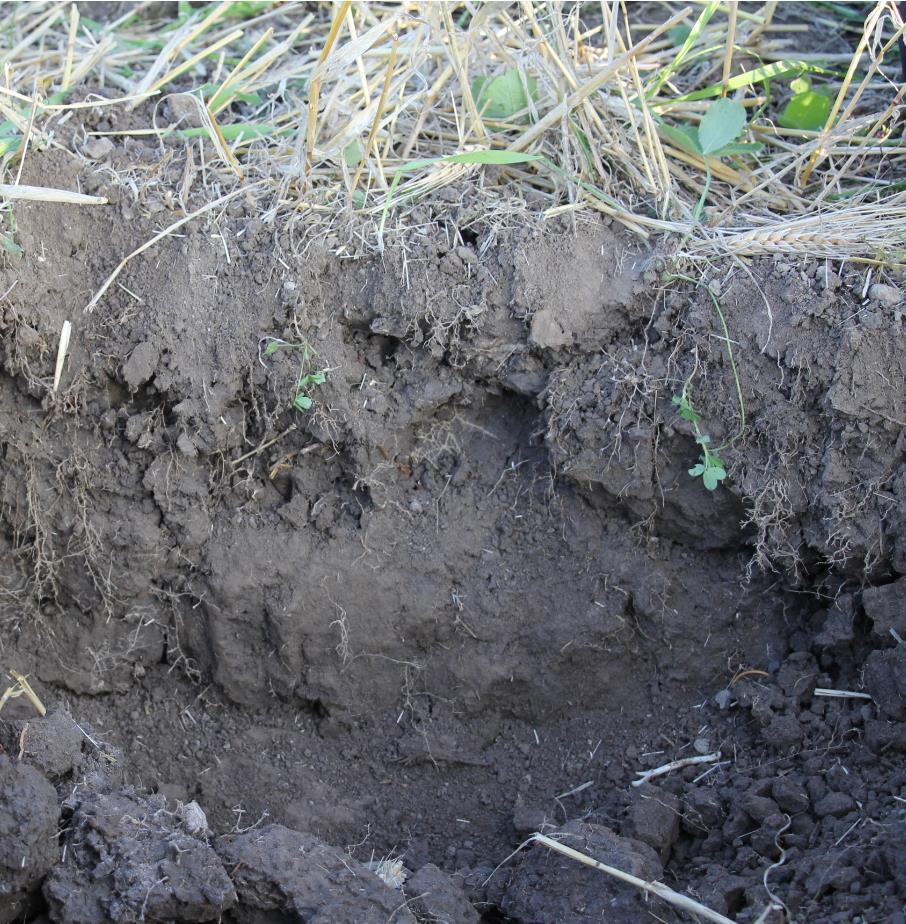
[
  {"x": 807, "y": 109},
  {"x": 721, "y": 125},
  {"x": 716, "y": 136},
  {"x": 710, "y": 467},
  {"x": 506, "y": 95},
  {"x": 302, "y": 400}
]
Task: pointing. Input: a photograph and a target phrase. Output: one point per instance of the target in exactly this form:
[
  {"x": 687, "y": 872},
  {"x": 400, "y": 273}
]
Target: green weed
[
  {"x": 807, "y": 109},
  {"x": 691, "y": 37},
  {"x": 710, "y": 467},
  {"x": 715, "y": 136},
  {"x": 506, "y": 96},
  {"x": 307, "y": 380},
  {"x": 8, "y": 236}
]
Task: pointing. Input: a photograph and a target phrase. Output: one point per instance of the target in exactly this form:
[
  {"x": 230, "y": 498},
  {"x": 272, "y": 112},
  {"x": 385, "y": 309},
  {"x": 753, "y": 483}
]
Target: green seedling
[
  {"x": 236, "y": 132},
  {"x": 246, "y": 9},
  {"x": 302, "y": 400},
  {"x": 688, "y": 39},
  {"x": 715, "y": 136},
  {"x": 8, "y": 243},
  {"x": 217, "y": 101},
  {"x": 678, "y": 35},
  {"x": 807, "y": 109},
  {"x": 8, "y": 237},
  {"x": 503, "y": 97},
  {"x": 710, "y": 467},
  {"x": 757, "y": 76}
]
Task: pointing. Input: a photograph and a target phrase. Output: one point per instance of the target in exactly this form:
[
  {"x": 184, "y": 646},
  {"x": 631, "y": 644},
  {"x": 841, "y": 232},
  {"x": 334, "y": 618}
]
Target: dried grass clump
[{"x": 349, "y": 108}]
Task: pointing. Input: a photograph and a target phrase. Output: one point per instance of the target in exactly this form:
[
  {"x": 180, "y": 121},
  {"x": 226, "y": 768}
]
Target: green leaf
[
  {"x": 9, "y": 245},
  {"x": 490, "y": 157},
  {"x": 801, "y": 85},
  {"x": 712, "y": 477},
  {"x": 683, "y": 136},
  {"x": 678, "y": 34},
  {"x": 777, "y": 70},
  {"x": 352, "y": 153},
  {"x": 666, "y": 73},
  {"x": 806, "y": 111},
  {"x": 208, "y": 91},
  {"x": 686, "y": 410},
  {"x": 246, "y": 9},
  {"x": 845, "y": 11},
  {"x": 697, "y": 470},
  {"x": 723, "y": 123},
  {"x": 312, "y": 379},
  {"x": 703, "y": 439},
  {"x": 740, "y": 147},
  {"x": 583, "y": 143},
  {"x": 272, "y": 347},
  {"x": 302, "y": 403},
  {"x": 504, "y": 96},
  {"x": 236, "y": 132}
]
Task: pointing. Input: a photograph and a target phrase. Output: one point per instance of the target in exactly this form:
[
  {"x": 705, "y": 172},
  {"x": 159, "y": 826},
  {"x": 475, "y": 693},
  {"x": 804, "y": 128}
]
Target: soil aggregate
[{"x": 468, "y": 595}]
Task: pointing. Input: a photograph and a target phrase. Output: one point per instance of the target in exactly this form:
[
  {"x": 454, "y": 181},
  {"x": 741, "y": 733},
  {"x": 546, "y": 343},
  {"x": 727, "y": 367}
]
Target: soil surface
[{"x": 469, "y": 594}]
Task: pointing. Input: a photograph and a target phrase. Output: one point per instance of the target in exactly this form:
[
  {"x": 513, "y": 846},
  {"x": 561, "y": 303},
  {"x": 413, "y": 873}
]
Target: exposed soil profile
[{"x": 470, "y": 593}]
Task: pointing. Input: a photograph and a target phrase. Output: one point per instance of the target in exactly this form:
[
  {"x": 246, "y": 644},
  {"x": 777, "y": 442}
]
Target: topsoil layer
[{"x": 469, "y": 594}]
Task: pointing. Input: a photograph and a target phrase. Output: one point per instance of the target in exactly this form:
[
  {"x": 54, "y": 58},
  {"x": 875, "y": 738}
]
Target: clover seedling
[
  {"x": 302, "y": 400},
  {"x": 710, "y": 468}
]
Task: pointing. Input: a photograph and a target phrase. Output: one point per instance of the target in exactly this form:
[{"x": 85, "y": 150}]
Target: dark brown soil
[{"x": 468, "y": 595}]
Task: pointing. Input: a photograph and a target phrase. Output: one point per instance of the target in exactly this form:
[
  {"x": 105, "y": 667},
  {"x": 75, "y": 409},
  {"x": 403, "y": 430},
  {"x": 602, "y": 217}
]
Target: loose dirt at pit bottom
[{"x": 468, "y": 595}]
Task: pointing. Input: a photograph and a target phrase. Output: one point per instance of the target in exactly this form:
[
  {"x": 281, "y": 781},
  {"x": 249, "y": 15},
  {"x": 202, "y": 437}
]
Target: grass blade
[
  {"x": 693, "y": 36},
  {"x": 777, "y": 70}
]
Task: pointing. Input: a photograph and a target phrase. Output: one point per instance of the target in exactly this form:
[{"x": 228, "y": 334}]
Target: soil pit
[{"x": 468, "y": 594}]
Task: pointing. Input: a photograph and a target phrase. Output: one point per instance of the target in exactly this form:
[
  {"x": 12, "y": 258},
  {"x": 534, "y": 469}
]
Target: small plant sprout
[
  {"x": 715, "y": 136},
  {"x": 807, "y": 109},
  {"x": 505, "y": 97},
  {"x": 710, "y": 468},
  {"x": 308, "y": 378}
]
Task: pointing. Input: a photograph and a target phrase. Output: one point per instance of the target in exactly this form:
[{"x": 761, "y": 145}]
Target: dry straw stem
[
  {"x": 871, "y": 26},
  {"x": 62, "y": 349},
  {"x": 284, "y": 92},
  {"x": 596, "y": 82},
  {"x": 677, "y": 899},
  {"x": 842, "y": 232},
  {"x": 21, "y": 687},
  {"x": 314, "y": 94},
  {"x": 645, "y": 776},
  {"x": 48, "y": 194}
]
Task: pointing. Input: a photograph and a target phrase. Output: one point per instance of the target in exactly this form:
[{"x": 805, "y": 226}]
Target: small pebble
[
  {"x": 722, "y": 699},
  {"x": 889, "y": 296}
]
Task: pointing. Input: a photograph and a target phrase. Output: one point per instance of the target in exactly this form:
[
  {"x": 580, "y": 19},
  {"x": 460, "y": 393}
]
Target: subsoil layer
[{"x": 469, "y": 594}]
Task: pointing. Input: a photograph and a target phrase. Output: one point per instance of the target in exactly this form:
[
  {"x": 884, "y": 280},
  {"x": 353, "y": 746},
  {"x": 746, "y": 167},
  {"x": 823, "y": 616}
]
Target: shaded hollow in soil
[{"x": 469, "y": 593}]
